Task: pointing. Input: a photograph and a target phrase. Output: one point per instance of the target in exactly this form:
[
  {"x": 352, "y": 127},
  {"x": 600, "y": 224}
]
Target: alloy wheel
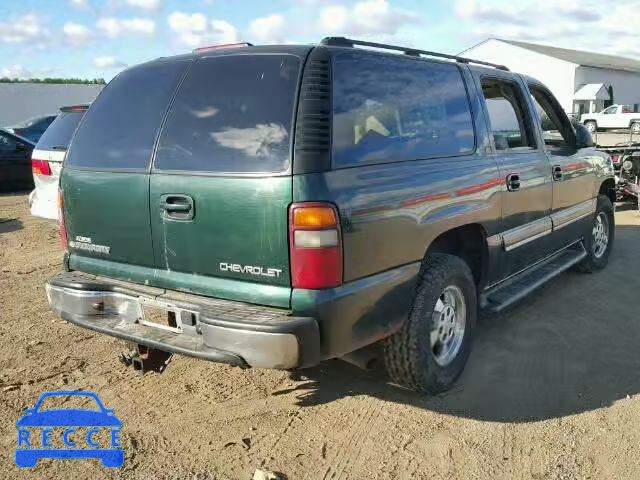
[
  {"x": 600, "y": 235},
  {"x": 448, "y": 325}
]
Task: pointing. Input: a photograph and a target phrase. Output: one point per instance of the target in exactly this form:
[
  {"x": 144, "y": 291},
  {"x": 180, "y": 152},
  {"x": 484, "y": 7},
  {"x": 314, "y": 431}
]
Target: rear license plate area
[{"x": 160, "y": 315}]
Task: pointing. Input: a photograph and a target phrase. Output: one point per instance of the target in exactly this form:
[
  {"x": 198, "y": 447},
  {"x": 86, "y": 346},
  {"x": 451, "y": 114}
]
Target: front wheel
[
  {"x": 591, "y": 126},
  {"x": 431, "y": 349},
  {"x": 599, "y": 239},
  {"x": 635, "y": 128}
]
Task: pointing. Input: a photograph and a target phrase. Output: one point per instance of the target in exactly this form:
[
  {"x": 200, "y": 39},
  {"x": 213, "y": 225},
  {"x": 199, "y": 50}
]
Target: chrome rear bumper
[{"x": 210, "y": 329}]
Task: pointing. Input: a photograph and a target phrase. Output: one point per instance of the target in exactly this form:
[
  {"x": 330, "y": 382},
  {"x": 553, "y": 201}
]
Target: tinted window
[
  {"x": 507, "y": 115},
  {"x": 58, "y": 135},
  {"x": 392, "y": 109},
  {"x": 232, "y": 114},
  {"x": 119, "y": 129},
  {"x": 557, "y": 132}
]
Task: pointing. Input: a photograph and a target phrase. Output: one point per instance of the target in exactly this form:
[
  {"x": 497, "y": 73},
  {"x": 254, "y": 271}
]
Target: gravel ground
[{"x": 551, "y": 390}]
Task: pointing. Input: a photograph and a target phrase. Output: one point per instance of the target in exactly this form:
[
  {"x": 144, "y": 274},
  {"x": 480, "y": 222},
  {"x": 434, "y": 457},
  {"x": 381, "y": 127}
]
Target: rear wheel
[
  {"x": 591, "y": 126},
  {"x": 635, "y": 128},
  {"x": 430, "y": 351},
  {"x": 599, "y": 239}
]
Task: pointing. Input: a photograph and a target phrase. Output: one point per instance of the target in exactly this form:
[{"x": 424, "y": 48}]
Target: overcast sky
[{"x": 97, "y": 38}]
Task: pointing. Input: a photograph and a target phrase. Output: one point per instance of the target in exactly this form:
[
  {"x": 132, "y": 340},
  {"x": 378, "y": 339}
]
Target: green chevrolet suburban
[{"x": 276, "y": 206}]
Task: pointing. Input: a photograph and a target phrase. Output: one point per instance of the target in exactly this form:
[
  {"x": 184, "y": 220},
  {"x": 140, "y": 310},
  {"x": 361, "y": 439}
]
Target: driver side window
[{"x": 557, "y": 132}]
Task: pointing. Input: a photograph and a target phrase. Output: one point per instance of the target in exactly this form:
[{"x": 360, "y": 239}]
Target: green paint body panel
[
  {"x": 112, "y": 210},
  {"x": 260, "y": 294},
  {"x": 239, "y": 221}
]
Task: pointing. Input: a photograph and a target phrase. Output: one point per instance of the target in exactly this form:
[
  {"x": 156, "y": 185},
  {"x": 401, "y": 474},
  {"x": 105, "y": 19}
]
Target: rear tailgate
[
  {"x": 105, "y": 179},
  {"x": 221, "y": 182}
]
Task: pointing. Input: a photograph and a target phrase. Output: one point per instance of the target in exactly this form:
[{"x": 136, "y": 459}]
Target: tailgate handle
[{"x": 177, "y": 206}]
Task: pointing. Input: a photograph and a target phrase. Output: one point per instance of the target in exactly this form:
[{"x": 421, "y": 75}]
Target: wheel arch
[
  {"x": 468, "y": 242},
  {"x": 608, "y": 188}
]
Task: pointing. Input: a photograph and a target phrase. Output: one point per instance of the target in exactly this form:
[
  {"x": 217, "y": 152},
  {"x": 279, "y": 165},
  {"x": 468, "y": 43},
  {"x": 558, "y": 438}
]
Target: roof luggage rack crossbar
[{"x": 348, "y": 42}]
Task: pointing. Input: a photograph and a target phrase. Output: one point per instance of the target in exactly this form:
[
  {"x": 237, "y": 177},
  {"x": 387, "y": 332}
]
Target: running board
[{"x": 510, "y": 291}]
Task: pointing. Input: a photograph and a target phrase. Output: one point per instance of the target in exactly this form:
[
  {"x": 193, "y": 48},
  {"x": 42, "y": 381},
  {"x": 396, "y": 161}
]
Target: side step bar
[{"x": 510, "y": 291}]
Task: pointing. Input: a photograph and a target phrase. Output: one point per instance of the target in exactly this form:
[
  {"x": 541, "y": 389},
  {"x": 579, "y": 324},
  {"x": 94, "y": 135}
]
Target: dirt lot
[{"x": 551, "y": 390}]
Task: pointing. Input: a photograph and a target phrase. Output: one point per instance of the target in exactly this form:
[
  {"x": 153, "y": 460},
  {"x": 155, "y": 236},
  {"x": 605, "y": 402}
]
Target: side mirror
[
  {"x": 21, "y": 147},
  {"x": 583, "y": 137},
  {"x": 29, "y": 411}
]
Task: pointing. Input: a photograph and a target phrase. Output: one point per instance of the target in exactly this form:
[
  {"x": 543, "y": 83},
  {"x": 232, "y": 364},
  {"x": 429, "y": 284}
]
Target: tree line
[{"x": 81, "y": 81}]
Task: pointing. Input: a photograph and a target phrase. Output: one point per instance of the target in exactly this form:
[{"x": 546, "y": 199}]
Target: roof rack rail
[{"x": 348, "y": 42}]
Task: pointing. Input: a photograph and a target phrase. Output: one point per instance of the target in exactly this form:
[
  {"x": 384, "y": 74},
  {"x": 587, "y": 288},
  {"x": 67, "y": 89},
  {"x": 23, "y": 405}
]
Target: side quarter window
[
  {"x": 387, "y": 108},
  {"x": 557, "y": 132},
  {"x": 509, "y": 122}
]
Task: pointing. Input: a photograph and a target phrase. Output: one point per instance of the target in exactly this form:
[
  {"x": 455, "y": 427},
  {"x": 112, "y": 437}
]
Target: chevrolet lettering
[{"x": 265, "y": 272}]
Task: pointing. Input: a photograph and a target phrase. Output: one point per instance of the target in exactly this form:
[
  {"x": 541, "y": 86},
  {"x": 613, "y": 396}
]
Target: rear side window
[
  {"x": 58, "y": 135},
  {"x": 119, "y": 130},
  {"x": 232, "y": 114},
  {"x": 509, "y": 123},
  {"x": 388, "y": 109}
]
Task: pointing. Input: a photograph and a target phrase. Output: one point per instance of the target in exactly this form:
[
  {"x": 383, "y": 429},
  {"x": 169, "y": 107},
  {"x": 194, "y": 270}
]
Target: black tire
[
  {"x": 409, "y": 358},
  {"x": 593, "y": 262}
]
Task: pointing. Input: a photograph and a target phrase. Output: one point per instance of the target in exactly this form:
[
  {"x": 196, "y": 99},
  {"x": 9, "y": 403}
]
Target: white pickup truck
[{"x": 615, "y": 116}]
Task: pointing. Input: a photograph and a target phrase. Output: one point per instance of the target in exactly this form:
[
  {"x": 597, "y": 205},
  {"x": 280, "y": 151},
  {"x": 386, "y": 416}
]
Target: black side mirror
[{"x": 583, "y": 137}]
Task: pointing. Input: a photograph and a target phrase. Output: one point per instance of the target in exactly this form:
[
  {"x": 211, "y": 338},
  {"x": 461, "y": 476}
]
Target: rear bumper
[{"x": 210, "y": 329}]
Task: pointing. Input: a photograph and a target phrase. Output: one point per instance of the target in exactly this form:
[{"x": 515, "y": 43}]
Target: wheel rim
[
  {"x": 635, "y": 128},
  {"x": 600, "y": 235},
  {"x": 591, "y": 127},
  {"x": 447, "y": 325}
]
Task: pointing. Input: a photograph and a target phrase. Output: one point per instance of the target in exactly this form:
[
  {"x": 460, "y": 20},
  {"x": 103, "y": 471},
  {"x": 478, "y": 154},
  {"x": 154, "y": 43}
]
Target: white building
[{"x": 581, "y": 81}]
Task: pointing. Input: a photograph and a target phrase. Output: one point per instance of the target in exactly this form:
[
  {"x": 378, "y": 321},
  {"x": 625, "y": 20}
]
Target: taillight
[
  {"x": 316, "y": 246},
  {"x": 63, "y": 228},
  {"x": 40, "y": 167}
]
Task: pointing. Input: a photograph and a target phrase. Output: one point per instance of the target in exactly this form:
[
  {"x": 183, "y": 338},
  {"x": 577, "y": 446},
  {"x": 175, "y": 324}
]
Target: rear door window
[
  {"x": 119, "y": 130},
  {"x": 388, "y": 109},
  {"x": 510, "y": 124},
  {"x": 58, "y": 135},
  {"x": 232, "y": 114}
]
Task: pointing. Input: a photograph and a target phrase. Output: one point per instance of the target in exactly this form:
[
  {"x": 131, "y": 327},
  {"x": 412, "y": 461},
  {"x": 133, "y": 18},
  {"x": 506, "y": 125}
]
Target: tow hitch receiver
[{"x": 145, "y": 359}]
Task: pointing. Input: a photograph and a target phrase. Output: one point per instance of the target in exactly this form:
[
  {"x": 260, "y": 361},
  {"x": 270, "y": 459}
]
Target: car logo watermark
[{"x": 64, "y": 433}]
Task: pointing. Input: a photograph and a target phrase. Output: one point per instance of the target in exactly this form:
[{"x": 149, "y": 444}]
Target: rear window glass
[
  {"x": 119, "y": 130},
  {"x": 390, "y": 109},
  {"x": 232, "y": 114},
  {"x": 59, "y": 133}
]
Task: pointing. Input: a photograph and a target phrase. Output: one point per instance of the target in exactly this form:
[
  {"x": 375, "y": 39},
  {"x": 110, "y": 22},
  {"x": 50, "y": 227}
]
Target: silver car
[{"x": 47, "y": 158}]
